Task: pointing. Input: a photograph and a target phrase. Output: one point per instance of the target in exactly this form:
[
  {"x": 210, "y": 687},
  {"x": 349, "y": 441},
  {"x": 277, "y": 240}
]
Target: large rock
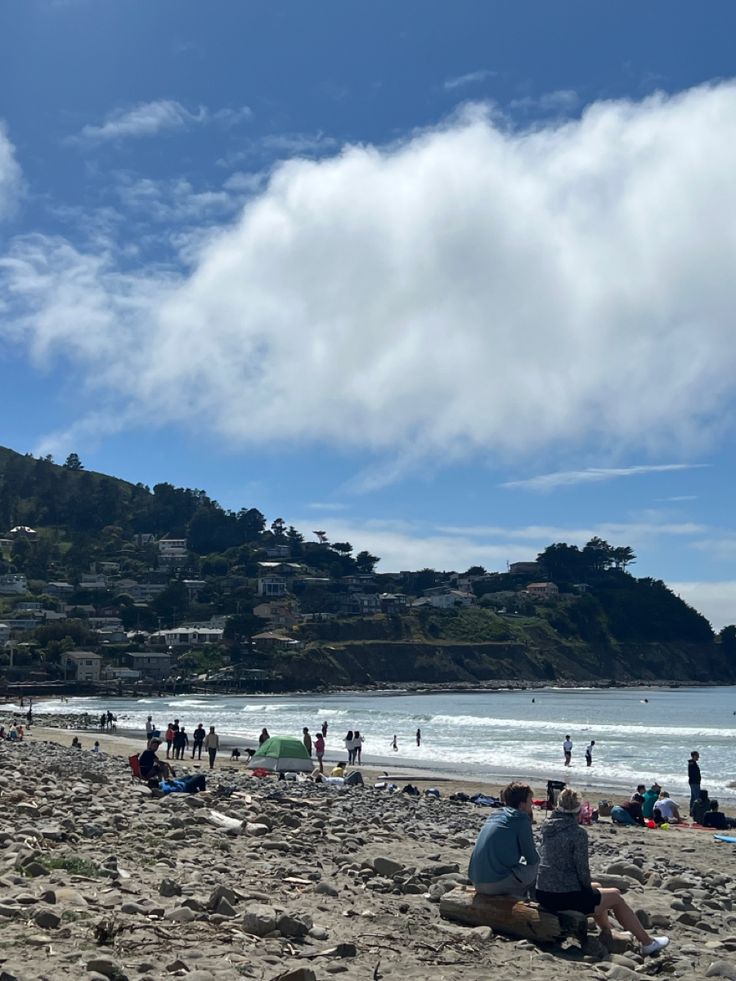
[
  {"x": 294, "y": 925},
  {"x": 386, "y": 867},
  {"x": 259, "y": 919}
]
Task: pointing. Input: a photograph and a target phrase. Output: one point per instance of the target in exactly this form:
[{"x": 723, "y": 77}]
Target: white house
[
  {"x": 271, "y": 586},
  {"x": 449, "y": 599},
  {"x": 172, "y": 550}
]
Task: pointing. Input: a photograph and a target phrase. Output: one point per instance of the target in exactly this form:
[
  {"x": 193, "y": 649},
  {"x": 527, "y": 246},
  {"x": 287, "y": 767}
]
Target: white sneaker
[{"x": 659, "y": 943}]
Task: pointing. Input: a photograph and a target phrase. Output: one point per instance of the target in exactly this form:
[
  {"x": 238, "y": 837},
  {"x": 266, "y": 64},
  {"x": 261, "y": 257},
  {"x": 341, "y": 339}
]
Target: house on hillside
[
  {"x": 278, "y": 551},
  {"x": 150, "y": 664},
  {"x": 447, "y": 599},
  {"x": 59, "y": 589},
  {"x": 542, "y": 590},
  {"x": 186, "y": 636},
  {"x": 23, "y": 531},
  {"x": 82, "y": 665},
  {"x": 271, "y": 586},
  {"x": 13, "y": 584},
  {"x": 524, "y": 568},
  {"x": 4, "y": 633},
  {"x": 271, "y": 640},
  {"x": 172, "y": 551},
  {"x": 278, "y": 612},
  {"x": 393, "y": 602}
]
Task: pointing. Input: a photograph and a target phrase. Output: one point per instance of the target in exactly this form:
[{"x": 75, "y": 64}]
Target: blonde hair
[{"x": 568, "y": 800}]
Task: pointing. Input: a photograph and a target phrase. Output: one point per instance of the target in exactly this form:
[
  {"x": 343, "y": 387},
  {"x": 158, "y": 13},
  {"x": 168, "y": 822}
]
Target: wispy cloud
[
  {"x": 151, "y": 118},
  {"x": 326, "y": 506},
  {"x": 11, "y": 177},
  {"x": 471, "y": 78},
  {"x": 592, "y": 475},
  {"x": 559, "y": 101}
]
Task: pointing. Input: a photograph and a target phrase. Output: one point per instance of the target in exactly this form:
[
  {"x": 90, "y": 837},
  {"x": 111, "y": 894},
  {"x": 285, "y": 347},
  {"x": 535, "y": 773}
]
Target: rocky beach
[{"x": 257, "y": 878}]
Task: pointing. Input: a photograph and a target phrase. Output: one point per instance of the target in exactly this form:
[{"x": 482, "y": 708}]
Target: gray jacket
[{"x": 563, "y": 865}]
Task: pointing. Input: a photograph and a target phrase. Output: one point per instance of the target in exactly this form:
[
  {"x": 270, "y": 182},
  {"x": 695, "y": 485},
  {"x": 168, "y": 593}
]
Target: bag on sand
[{"x": 604, "y": 808}]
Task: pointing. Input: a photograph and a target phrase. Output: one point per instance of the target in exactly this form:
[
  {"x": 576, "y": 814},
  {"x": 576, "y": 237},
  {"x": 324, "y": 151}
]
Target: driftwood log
[{"x": 511, "y": 916}]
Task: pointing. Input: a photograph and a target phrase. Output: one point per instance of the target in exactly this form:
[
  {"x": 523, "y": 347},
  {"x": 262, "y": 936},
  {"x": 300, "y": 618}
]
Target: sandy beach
[{"x": 298, "y": 882}]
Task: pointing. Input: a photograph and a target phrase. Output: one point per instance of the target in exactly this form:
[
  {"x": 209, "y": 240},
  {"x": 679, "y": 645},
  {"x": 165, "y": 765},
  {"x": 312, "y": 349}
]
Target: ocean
[{"x": 640, "y": 734}]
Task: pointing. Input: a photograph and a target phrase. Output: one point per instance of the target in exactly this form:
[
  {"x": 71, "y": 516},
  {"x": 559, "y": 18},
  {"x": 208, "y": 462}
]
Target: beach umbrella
[{"x": 282, "y": 753}]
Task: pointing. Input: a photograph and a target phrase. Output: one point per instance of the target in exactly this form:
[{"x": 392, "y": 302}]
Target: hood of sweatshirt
[{"x": 558, "y": 823}]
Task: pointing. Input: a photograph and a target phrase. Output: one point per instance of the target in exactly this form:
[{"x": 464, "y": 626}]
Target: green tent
[{"x": 282, "y": 753}]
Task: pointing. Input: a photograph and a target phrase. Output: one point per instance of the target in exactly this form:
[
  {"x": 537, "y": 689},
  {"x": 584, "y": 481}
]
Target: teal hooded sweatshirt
[{"x": 505, "y": 838}]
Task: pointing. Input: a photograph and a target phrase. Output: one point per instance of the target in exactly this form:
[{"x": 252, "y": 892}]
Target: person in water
[{"x": 564, "y": 880}]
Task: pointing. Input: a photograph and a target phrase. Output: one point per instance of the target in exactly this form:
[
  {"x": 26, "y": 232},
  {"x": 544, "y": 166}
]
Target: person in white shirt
[
  {"x": 589, "y": 753},
  {"x": 212, "y": 744},
  {"x": 668, "y": 810},
  {"x": 567, "y": 750}
]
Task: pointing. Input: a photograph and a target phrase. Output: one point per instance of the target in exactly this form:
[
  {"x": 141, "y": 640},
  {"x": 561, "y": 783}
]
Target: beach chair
[
  {"x": 135, "y": 768},
  {"x": 553, "y": 792}
]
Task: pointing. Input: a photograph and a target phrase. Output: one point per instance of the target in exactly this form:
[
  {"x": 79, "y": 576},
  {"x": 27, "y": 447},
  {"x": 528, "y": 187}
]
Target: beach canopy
[{"x": 282, "y": 753}]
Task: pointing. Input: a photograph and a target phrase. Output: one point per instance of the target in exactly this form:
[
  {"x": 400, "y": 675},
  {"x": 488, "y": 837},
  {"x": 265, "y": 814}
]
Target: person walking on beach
[
  {"x": 319, "y": 750},
  {"x": 357, "y": 747},
  {"x": 419, "y": 737},
  {"x": 589, "y": 753},
  {"x": 307, "y": 740},
  {"x": 564, "y": 880},
  {"x": 263, "y": 736},
  {"x": 212, "y": 744},
  {"x": 505, "y": 839},
  {"x": 693, "y": 777},
  {"x": 169, "y": 739},
  {"x": 567, "y": 750},
  {"x": 394, "y": 744},
  {"x": 197, "y": 740}
]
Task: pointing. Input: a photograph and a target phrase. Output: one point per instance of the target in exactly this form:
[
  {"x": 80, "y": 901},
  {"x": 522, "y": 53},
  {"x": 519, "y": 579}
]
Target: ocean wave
[
  {"x": 267, "y": 708},
  {"x": 194, "y": 703},
  {"x": 624, "y": 729}
]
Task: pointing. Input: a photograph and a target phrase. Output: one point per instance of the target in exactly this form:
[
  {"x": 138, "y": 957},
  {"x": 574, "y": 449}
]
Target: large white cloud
[
  {"x": 11, "y": 180},
  {"x": 470, "y": 289},
  {"x": 715, "y": 600}
]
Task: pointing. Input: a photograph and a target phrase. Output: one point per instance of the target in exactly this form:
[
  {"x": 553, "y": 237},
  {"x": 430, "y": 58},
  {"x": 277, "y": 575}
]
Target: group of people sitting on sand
[
  {"x": 14, "y": 732},
  {"x": 505, "y": 862},
  {"x": 654, "y": 806}
]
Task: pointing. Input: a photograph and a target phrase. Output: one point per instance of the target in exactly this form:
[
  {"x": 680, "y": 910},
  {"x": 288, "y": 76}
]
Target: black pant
[
  {"x": 197, "y": 748},
  {"x": 212, "y": 753}
]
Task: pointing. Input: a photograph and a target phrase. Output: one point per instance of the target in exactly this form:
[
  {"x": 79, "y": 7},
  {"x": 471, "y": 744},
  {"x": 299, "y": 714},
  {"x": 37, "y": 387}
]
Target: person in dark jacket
[
  {"x": 716, "y": 819},
  {"x": 629, "y": 812},
  {"x": 505, "y": 860},
  {"x": 181, "y": 741},
  {"x": 197, "y": 740},
  {"x": 564, "y": 881},
  {"x": 693, "y": 777},
  {"x": 700, "y": 807}
]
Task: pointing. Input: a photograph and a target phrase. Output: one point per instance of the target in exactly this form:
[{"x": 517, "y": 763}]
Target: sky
[{"x": 448, "y": 281}]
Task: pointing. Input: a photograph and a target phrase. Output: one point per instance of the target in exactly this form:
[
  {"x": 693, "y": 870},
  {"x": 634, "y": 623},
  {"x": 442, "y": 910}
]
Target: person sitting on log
[
  {"x": 564, "y": 881},
  {"x": 505, "y": 860}
]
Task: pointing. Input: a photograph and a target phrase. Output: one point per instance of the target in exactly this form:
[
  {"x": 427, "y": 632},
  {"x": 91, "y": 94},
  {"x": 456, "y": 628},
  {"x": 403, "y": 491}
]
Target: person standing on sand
[
  {"x": 181, "y": 741},
  {"x": 357, "y": 747},
  {"x": 693, "y": 777},
  {"x": 567, "y": 750},
  {"x": 212, "y": 744},
  {"x": 419, "y": 737},
  {"x": 169, "y": 738},
  {"x": 197, "y": 740},
  {"x": 149, "y": 728},
  {"x": 564, "y": 880},
  {"x": 348, "y": 740},
  {"x": 496, "y": 867},
  {"x": 589, "y": 753},
  {"x": 319, "y": 750},
  {"x": 307, "y": 740}
]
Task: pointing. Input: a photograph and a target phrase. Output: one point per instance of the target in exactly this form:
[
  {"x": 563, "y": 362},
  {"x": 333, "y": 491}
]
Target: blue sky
[{"x": 451, "y": 281}]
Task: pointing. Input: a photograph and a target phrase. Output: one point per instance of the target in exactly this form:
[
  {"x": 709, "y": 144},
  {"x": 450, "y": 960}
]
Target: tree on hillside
[
  {"x": 623, "y": 556},
  {"x": 366, "y": 562},
  {"x": 727, "y": 637},
  {"x": 597, "y": 556},
  {"x": 321, "y": 536},
  {"x": 73, "y": 462},
  {"x": 343, "y": 548},
  {"x": 278, "y": 528},
  {"x": 561, "y": 562}
]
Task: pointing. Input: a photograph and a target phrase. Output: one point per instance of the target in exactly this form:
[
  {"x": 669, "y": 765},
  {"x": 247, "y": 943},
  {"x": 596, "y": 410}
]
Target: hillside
[{"x": 93, "y": 563}]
